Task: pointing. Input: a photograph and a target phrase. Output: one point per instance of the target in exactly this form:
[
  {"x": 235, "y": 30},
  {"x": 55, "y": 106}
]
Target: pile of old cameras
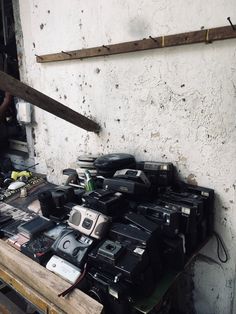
[{"x": 132, "y": 223}]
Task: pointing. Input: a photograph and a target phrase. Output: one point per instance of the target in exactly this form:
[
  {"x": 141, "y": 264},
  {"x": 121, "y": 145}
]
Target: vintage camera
[
  {"x": 17, "y": 240},
  {"x": 107, "y": 202},
  {"x": 116, "y": 296},
  {"x": 113, "y": 162},
  {"x": 188, "y": 220},
  {"x": 168, "y": 220},
  {"x": 195, "y": 201},
  {"x": 132, "y": 175},
  {"x": 131, "y": 188},
  {"x": 64, "y": 269},
  {"x": 107, "y": 165},
  {"x": 159, "y": 173},
  {"x": 35, "y": 226},
  {"x": 38, "y": 248},
  {"x": 132, "y": 182},
  {"x": 199, "y": 203},
  {"x": 124, "y": 264},
  {"x": 208, "y": 198},
  {"x": 57, "y": 203},
  {"x": 188, "y": 215},
  {"x": 73, "y": 246},
  {"x": 142, "y": 233},
  {"x": 88, "y": 221}
]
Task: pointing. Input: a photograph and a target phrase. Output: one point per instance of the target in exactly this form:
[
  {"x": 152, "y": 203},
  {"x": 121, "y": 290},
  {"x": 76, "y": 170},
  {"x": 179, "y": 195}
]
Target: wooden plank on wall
[
  {"x": 31, "y": 95},
  {"x": 199, "y": 36},
  {"x": 46, "y": 283}
]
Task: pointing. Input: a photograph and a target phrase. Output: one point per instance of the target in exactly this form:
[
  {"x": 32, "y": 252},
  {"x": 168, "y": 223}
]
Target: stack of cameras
[{"x": 139, "y": 223}]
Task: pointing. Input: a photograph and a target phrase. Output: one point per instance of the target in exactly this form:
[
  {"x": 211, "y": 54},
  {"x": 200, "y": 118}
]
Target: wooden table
[
  {"x": 34, "y": 282},
  {"x": 41, "y": 287}
]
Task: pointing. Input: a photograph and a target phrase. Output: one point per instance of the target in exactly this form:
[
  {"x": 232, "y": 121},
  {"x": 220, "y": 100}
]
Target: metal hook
[
  {"x": 40, "y": 58},
  {"x": 66, "y": 53},
  {"x": 106, "y": 47},
  {"x": 233, "y": 27},
  {"x": 153, "y": 39}
]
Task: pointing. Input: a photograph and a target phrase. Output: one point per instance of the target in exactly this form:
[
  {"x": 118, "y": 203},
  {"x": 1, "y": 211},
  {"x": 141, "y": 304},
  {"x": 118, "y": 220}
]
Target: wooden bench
[{"x": 40, "y": 286}]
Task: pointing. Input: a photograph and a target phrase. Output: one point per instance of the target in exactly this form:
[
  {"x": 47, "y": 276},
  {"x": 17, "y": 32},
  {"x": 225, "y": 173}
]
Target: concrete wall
[{"x": 175, "y": 104}]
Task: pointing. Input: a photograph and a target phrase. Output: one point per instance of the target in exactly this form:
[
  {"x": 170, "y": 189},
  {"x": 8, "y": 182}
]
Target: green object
[{"x": 89, "y": 183}]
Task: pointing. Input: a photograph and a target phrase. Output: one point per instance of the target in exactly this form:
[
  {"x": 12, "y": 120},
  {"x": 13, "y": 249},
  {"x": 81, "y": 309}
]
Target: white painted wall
[{"x": 176, "y": 104}]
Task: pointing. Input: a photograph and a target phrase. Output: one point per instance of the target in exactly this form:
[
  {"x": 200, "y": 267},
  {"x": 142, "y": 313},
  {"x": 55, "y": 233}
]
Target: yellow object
[{"x": 17, "y": 174}]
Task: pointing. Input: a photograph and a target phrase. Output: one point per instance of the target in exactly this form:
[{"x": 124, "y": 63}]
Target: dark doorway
[{"x": 9, "y": 64}]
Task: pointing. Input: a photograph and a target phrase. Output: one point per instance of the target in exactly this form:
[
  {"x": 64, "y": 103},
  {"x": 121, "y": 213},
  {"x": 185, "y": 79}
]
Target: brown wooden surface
[
  {"x": 27, "y": 292},
  {"x": 199, "y": 36},
  {"x": 27, "y": 93},
  {"x": 46, "y": 283}
]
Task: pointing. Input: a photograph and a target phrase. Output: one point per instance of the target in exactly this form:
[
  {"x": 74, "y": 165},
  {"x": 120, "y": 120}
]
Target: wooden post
[{"x": 31, "y": 95}]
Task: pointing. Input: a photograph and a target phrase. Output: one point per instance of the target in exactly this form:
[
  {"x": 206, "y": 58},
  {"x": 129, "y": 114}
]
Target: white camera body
[{"x": 64, "y": 269}]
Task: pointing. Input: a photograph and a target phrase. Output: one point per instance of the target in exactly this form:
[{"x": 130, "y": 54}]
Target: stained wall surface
[{"x": 176, "y": 104}]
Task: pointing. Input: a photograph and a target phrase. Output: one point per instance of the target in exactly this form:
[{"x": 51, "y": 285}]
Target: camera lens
[
  {"x": 76, "y": 251},
  {"x": 110, "y": 247},
  {"x": 96, "y": 294}
]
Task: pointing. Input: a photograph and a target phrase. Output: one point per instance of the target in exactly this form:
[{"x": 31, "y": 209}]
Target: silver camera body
[{"x": 88, "y": 221}]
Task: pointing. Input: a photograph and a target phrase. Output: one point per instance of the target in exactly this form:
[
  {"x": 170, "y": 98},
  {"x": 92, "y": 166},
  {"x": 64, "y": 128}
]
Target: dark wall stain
[{"x": 42, "y": 26}]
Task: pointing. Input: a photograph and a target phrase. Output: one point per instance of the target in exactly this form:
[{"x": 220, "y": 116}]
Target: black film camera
[
  {"x": 168, "y": 220},
  {"x": 73, "y": 246},
  {"x": 107, "y": 202},
  {"x": 125, "y": 265},
  {"x": 114, "y": 295},
  {"x": 57, "y": 203},
  {"x": 142, "y": 233},
  {"x": 129, "y": 181},
  {"x": 159, "y": 173}
]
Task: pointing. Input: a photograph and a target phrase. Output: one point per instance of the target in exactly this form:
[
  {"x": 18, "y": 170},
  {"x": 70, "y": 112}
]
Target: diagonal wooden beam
[
  {"x": 38, "y": 99},
  {"x": 195, "y": 37}
]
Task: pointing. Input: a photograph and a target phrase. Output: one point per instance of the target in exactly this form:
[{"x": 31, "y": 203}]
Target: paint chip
[{"x": 191, "y": 179}]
